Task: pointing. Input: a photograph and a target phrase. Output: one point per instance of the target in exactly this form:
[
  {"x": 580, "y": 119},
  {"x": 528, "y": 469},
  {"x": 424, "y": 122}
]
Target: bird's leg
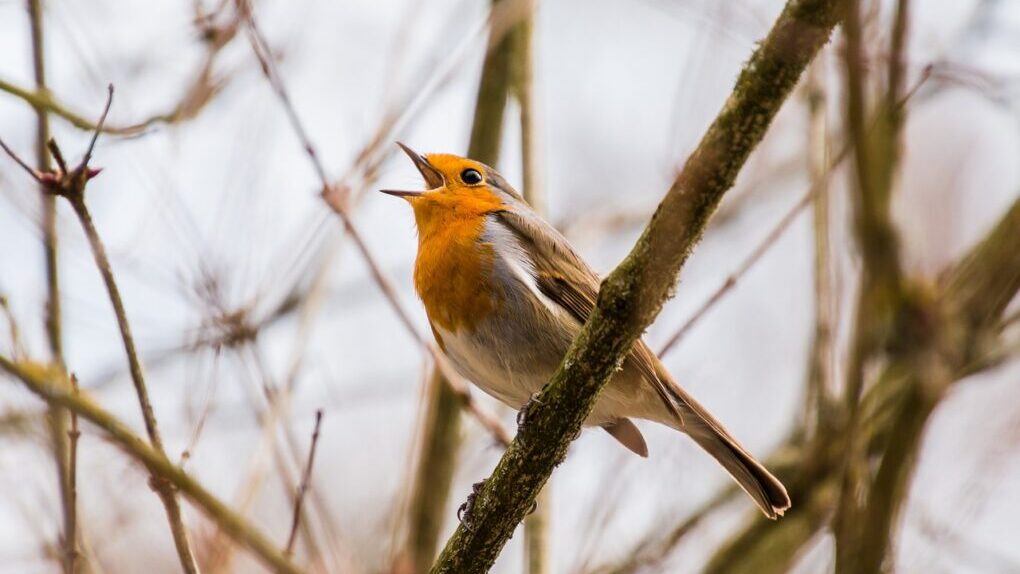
[{"x": 464, "y": 512}]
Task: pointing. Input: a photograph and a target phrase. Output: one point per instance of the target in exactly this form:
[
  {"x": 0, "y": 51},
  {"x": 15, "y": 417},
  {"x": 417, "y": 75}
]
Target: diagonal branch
[
  {"x": 55, "y": 388},
  {"x": 632, "y": 295}
]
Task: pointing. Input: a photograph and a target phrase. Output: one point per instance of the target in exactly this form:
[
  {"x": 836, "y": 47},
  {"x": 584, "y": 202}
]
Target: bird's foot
[
  {"x": 522, "y": 414},
  {"x": 464, "y": 512}
]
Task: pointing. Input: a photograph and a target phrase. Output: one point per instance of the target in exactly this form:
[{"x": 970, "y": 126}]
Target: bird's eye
[{"x": 471, "y": 176}]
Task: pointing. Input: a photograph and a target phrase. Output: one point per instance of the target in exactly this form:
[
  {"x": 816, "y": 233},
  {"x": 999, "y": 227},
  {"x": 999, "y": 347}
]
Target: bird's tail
[{"x": 766, "y": 490}]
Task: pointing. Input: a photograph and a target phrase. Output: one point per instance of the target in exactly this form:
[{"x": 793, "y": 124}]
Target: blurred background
[{"x": 253, "y": 308}]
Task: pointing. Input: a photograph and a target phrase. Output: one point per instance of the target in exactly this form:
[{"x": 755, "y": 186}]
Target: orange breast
[{"x": 453, "y": 270}]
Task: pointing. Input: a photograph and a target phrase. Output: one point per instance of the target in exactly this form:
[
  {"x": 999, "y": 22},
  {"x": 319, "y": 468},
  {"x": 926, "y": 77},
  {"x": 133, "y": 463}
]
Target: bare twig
[{"x": 303, "y": 488}]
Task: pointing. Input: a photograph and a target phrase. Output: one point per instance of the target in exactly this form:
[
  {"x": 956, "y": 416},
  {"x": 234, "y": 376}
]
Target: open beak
[{"x": 433, "y": 179}]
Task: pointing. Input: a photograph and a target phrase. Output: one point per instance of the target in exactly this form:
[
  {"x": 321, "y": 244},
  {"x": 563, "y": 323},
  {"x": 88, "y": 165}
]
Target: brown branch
[
  {"x": 303, "y": 488},
  {"x": 53, "y": 386},
  {"x": 632, "y": 295}
]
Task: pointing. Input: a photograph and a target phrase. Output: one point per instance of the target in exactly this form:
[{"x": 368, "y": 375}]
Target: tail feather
[{"x": 766, "y": 490}]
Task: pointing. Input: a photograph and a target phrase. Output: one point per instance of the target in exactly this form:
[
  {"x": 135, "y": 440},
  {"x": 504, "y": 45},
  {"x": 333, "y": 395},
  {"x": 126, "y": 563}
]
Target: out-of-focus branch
[
  {"x": 632, "y": 295},
  {"x": 54, "y": 386},
  {"x": 436, "y": 462},
  {"x": 820, "y": 389},
  {"x": 63, "y": 449},
  {"x": 971, "y": 298},
  {"x": 888, "y": 308},
  {"x": 202, "y": 88},
  {"x": 538, "y": 556}
]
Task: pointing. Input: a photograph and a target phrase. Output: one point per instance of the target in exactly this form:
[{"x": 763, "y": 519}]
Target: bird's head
[{"x": 455, "y": 187}]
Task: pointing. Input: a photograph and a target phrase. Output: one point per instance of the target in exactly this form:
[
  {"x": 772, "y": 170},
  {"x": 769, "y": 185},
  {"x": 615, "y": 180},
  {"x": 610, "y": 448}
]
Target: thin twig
[
  {"x": 336, "y": 197},
  {"x": 756, "y": 254},
  {"x": 303, "y": 488}
]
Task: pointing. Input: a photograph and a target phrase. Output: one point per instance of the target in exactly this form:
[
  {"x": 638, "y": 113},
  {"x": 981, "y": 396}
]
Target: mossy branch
[{"x": 633, "y": 294}]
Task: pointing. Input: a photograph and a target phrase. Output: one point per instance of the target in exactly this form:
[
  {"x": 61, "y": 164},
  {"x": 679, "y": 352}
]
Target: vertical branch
[
  {"x": 442, "y": 420},
  {"x": 819, "y": 385},
  {"x": 437, "y": 459},
  {"x": 537, "y": 534},
  {"x": 887, "y": 311},
  {"x": 56, "y": 416}
]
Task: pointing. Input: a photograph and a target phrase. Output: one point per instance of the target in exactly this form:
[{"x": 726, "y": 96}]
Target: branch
[
  {"x": 54, "y": 387},
  {"x": 632, "y": 295}
]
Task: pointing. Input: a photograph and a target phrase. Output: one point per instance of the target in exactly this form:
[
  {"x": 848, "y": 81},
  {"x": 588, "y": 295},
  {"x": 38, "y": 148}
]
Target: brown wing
[{"x": 568, "y": 281}]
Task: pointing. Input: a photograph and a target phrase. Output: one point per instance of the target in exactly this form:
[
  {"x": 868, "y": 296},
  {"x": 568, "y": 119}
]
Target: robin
[{"x": 505, "y": 295}]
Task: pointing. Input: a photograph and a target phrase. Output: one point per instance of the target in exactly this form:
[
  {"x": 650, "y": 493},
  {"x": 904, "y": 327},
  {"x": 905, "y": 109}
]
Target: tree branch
[{"x": 632, "y": 295}]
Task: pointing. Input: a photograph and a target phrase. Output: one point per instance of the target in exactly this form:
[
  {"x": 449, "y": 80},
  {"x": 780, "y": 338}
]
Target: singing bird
[{"x": 505, "y": 294}]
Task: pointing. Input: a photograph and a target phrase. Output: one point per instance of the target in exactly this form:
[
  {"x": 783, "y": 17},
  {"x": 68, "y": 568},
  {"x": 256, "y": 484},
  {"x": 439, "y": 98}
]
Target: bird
[{"x": 505, "y": 294}]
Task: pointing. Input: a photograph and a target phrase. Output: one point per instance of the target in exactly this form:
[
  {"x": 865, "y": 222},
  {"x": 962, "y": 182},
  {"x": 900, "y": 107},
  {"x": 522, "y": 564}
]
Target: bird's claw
[
  {"x": 464, "y": 511},
  {"x": 522, "y": 414}
]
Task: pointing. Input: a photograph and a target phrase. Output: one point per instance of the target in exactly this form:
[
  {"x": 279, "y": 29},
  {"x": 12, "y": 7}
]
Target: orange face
[{"x": 456, "y": 192}]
